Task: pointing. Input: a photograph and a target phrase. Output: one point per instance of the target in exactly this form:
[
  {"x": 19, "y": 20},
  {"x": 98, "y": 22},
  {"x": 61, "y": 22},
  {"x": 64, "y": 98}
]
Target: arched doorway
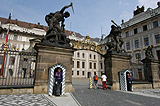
[{"x": 51, "y": 78}]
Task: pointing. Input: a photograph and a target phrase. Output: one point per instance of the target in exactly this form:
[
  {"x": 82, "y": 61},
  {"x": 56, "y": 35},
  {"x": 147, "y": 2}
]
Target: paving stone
[
  {"x": 25, "y": 100},
  {"x": 100, "y": 97}
]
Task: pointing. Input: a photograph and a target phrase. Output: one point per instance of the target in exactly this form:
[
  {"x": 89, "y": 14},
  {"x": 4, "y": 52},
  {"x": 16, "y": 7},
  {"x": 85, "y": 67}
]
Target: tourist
[
  {"x": 95, "y": 78},
  {"x": 104, "y": 80}
]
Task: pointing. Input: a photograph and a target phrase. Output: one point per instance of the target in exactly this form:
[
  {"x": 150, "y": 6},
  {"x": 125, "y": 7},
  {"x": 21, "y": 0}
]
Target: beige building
[
  {"x": 139, "y": 32},
  {"x": 86, "y": 60}
]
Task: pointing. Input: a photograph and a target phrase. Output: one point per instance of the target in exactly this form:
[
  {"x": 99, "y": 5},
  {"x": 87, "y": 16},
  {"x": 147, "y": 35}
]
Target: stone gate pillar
[
  {"x": 114, "y": 62},
  {"x": 151, "y": 71},
  {"x": 47, "y": 57}
]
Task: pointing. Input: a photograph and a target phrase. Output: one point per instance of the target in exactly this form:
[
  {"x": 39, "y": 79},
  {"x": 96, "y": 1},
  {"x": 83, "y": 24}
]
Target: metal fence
[{"x": 17, "y": 69}]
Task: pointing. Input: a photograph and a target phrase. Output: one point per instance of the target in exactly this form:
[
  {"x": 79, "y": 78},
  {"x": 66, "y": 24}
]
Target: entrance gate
[{"x": 52, "y": 79}]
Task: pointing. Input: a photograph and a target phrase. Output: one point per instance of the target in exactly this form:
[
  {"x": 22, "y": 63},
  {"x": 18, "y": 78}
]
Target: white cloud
[{"x": 148, "y": 3}]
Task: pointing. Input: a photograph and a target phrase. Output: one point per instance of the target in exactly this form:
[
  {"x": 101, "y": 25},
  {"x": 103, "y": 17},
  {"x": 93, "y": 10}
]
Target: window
[
  {"x": 101, "y": 66},
  {"x": 155, "y": 24},
  {"x": 5, "y": 35},
  {"x": 15, "y": 37},
  {"x": 146, "y": 41},
  {"x": 94, "y": 56},
  {"x": 127, "y": 34},
  {"x": 90, "y": 65},
  {"x": 82, "y": 72},
  {"x": 135, "y": 31},
  {"x": 72, "y": 72},
  {"x": 94, "y": 65},
  {"x": 94, "y": 73},
  {"x": 128, "y": 45},
  {"x": 1, "y": 59},
  {"x": 78, "y": 54},
  {"x": 144, "y": 27},
  {"x": 138, "y": 57},
  {"x": 77, "y": 72},
  {"x": 77, "y": 64},
  {"x": 12, "y": 59},
  {"x": 25, "y": 59},
  {"x": 0, "y": 34},
  {"x": 83, "y": 55},
  {"x": 83, "y": 64},
  {"x": 73, "y": 64},
  {"x": 10, "y": 72},
  {"x": 90, "y": 56},
  {"x": 157, "y": 37},
  {"x": 136, "y": 43}
]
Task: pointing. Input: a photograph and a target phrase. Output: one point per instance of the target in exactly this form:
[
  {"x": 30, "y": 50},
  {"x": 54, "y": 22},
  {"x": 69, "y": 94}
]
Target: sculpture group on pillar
[
  {"x": 149, "y": 53},
  {"x": 115, "y": 41},
  {"x": 56, "y": 31}
]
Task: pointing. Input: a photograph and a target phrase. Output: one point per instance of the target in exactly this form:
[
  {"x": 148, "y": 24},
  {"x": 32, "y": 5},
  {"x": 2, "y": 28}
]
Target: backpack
[{"x": 96, "y": 78}]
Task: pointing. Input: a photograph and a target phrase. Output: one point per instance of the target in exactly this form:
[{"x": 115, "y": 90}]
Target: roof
[
  {"x": 45, "y": 28},
  {"x": 24, "y": 24}
]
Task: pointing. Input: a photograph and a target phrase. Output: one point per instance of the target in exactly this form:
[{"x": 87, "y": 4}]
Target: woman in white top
[{"x": 104, "y": 80}]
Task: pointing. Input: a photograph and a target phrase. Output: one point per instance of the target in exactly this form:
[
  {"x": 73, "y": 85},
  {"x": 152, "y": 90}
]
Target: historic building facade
[
  {"x": 138, "y": 33},
  {"x": 86, "y": 61}
]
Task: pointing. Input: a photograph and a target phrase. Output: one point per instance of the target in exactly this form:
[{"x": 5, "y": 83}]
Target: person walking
[
  {"x": 104, "y": 80},
  {"x": 95, "y": 78}
]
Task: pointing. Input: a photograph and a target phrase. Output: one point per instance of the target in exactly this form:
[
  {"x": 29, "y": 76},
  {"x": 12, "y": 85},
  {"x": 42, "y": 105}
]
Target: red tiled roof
[
  {"x": 23, "y": 24},
  {"x": 31, "y": 25}
]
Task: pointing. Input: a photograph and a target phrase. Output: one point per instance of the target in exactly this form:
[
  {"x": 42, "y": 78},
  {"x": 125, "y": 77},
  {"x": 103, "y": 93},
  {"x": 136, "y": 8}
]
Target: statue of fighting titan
[{"x": 56, "y": 31}]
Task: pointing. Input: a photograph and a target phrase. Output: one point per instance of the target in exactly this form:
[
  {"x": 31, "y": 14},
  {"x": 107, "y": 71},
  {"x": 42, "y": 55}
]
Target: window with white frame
[
  {"x": 138, "y": 57},
  {"x": 155, "y": 24},
  {"x": 135, "y": 31},
  {"x": 146, "y": 41},
  {"x": 78, "y": 54},
  {"x": 127, "y": 34},
  {"x": 12, "y": 60},
  {"x": 136, "y": 43},
  {"x": 157, "y": 37},
  {"x": 128, "y": 45},
  {"x": 83, "y": 64},
  {"x": 0, "y": 34},
  {"x": 1, "y": 59},
  {"x": 15, "y": 37},
  {"x": 145, "y": 28}
]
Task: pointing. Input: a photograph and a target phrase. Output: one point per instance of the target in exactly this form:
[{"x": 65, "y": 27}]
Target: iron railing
[{"x": 17, "y": 69}]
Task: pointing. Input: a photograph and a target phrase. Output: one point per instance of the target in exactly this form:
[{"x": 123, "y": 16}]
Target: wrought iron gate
[{"x": 17, "y": 69}]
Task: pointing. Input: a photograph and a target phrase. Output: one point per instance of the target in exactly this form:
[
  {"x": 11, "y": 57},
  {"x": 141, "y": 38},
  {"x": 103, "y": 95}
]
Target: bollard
[{"x": 90, "y": 82}]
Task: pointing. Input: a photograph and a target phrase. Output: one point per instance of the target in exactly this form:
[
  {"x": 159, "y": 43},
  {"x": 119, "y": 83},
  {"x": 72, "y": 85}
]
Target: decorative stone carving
[{"x": 139, "y": 10}]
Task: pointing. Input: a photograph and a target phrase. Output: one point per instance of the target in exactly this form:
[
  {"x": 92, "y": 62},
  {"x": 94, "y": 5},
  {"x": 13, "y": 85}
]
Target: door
[{"x": 89, "y": 74}]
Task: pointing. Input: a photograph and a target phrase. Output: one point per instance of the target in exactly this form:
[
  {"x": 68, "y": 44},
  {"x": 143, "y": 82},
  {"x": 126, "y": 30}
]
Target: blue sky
[{"x": 90, "y": 16}]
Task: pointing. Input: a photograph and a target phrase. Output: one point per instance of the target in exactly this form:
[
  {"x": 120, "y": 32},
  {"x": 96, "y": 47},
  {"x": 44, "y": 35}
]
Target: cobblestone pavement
[
  {"x": 149, "y": 91},
  {"x": 25, "y": 100},
  {"x": 100, "y": 97}
]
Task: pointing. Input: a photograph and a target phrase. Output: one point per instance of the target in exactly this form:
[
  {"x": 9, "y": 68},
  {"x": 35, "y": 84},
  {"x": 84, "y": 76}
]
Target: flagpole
[{"x": 5, "y": 45}]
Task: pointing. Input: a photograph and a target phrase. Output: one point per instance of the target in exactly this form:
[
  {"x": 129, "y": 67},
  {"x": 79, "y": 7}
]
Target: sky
[{"x": 91, "y": 17}]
